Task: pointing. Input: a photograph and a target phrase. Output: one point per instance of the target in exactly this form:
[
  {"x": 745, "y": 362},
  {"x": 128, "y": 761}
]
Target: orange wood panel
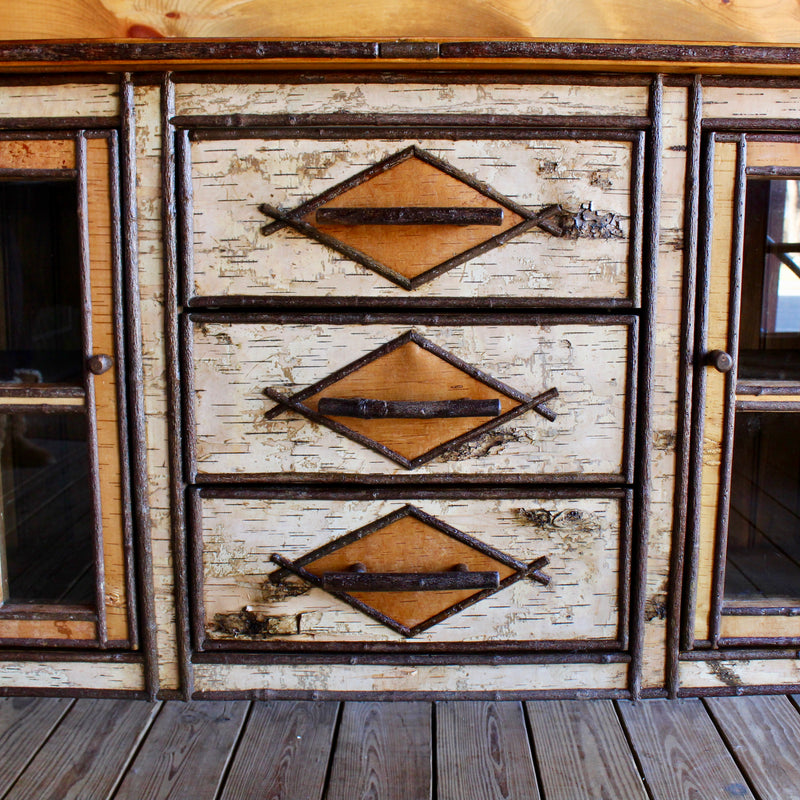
[
  {"x": 773, "y": 154},
  {"x": 37, "y": 154},
  {"x": 76, "y": 630},
  {"x": 105, "y": 386}
]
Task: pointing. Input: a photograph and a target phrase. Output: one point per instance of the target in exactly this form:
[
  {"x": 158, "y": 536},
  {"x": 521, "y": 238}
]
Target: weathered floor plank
[
  {"x": 25, "y": 724},
  {"x": 383, "y": 752},
  {"x": 581, "y": 751},
  {"x": 283, "y": 753},
  {"x": 186, "y": 752},
  {"x": 680, "y": 751},
  {"x": 764, "y": 736},
  {"x": 483, "y": 752},
  {"x": 85, "y": 756}
]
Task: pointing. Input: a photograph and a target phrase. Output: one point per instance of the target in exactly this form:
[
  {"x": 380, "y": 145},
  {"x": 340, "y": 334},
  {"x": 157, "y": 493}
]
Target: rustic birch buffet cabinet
[{"x": 452, "y": 369}]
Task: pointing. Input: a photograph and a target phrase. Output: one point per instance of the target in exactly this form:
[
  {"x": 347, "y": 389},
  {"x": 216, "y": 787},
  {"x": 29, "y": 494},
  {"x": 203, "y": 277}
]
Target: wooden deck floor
[{"x": 63, "y": 749}]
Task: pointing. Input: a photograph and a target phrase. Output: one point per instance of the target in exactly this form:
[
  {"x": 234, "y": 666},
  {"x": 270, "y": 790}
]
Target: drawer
[
  {"x": 575, "y": 548},
  {"x": 536, "y": 219},
  {"x": 529, "y": 399}
]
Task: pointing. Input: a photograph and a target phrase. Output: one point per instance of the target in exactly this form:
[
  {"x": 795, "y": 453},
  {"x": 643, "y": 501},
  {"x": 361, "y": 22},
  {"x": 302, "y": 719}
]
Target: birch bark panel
[
  {"x": 456, "y": 679},
  {"x": 667, "y": 357},
  {"x": 365, "y": 97},
  {"x": 64, "y": 100},
  {"x": 230, "y": 179},
  {"x": 717, "y": 339},
  {"x": 105, "y": 388},
  {"x": 581, "y": 537},
  {"x": 738, "y": 674},
  {"x": 151, "y": 288},
  {"x": 71, "y": 675},
  {"x": 751, "y": 101},
  {"x": 586, "y": 363}
]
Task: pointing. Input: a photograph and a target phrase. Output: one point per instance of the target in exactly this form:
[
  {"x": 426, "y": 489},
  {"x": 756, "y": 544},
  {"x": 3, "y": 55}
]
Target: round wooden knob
[
  {"x": 460, "y": 568},
  {"x": 720, "y": 360},
  {"x": 358, "y": 567},
  {"x": 100, "y": 363}
]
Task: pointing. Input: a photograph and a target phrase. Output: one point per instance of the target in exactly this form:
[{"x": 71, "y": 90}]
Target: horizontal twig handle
[
  {"x": 411, "y": 215},
  {"x": 365, "y": 408},
  {"x": 409, "y": 581}
]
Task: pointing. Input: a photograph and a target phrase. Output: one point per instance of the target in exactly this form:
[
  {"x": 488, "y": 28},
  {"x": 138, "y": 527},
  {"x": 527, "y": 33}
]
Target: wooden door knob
[
  {"x": 99, "y": 363},
  {"x": 719, "y": 359}
]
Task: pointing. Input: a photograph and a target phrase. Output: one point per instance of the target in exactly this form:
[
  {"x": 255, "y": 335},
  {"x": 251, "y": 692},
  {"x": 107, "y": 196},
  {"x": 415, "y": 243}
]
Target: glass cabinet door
[
  {"x": 63, "y": 531},
  {"x": 748, "y": 514}
]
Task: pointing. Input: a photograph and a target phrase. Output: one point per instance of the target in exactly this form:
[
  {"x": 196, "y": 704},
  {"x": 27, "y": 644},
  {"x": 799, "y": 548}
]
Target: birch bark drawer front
[
  {"x": 486, "y": 571},
  {"x": 511, "y": 398},
  {"x": 324, "y": 216}
]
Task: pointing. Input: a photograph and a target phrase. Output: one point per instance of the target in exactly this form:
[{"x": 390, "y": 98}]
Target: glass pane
[
  {"x": 47, "y": 509},
  {"x": 763, "y": 558},
  {"x": 40, "y": 293},
  {"x": 769, "y": 344}
]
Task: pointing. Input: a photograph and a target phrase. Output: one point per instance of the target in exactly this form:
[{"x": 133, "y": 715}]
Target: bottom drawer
[{"x": 323, "y": 571}]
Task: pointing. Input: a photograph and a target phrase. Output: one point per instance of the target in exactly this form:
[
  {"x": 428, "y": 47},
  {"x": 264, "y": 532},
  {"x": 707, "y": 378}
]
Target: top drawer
[{"x": 464, "y": 214}]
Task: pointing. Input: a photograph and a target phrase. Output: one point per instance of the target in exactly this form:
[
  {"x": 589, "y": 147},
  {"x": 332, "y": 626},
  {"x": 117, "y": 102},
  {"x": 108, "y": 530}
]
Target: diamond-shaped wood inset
[
  {"x": 409, "y": 545},
  {"x": 411, "y": 250},
  {"x": 438, "y": 217},
  {"x": 409, "y": 542},
  {"x": 411, "y": 371}
]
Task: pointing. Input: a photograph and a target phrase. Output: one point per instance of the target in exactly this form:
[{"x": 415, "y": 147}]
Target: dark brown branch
[
  {"x": 410, "y": 215},
  {"x": 409, "y": 581},
  {"x": 365, "y": 408}
]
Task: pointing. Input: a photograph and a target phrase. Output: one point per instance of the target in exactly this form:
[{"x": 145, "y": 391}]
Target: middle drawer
[{"x": 352, "y": 397}]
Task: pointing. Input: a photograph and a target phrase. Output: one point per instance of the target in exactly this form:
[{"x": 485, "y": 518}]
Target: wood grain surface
[
  {"x": 581, "y": 751},
  {"x": 383, "y": 751},
  {"x": 671, "y": 20},
  {"x": 680, "y": 752},
  {"x": 87, "y": 753},
  {"x": 25, "y": 724},
  {"x": 764, "y": 735},
  {"x": 189, "y": 745},
  {"x": 283, "y": 753},
  {"x": 482, "y": 752}
]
